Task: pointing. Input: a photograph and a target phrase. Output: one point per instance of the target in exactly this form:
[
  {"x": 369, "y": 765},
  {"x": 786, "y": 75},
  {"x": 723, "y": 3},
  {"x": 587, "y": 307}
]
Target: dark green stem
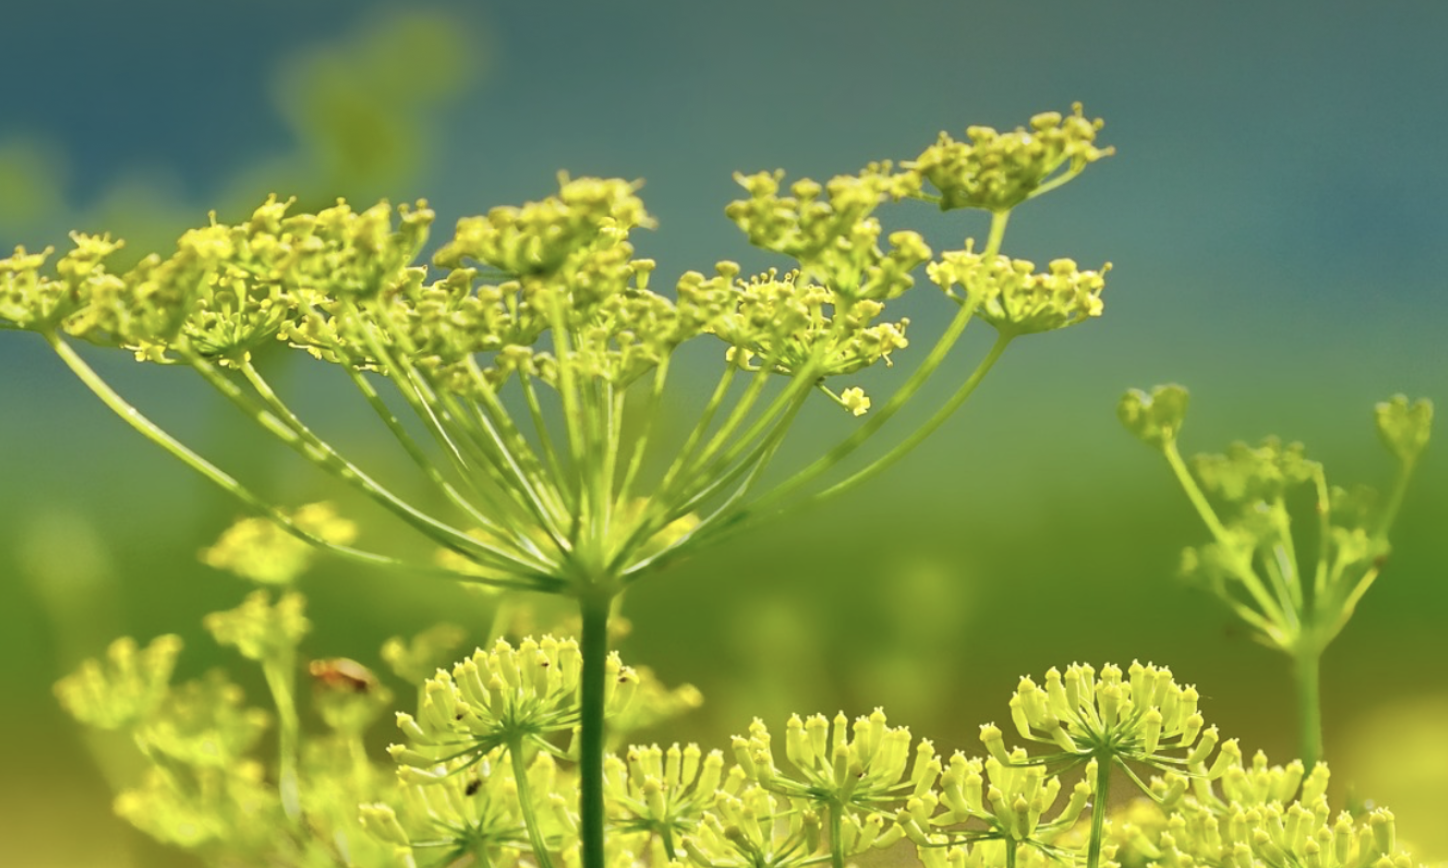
[
  {"x": 593, "y": 606},
  {"x": 525, "y": 804},
  {"x": 1011, "y": 845},
  {"x": 1307, "y": 672},
  {"x": 1098, "y": 810}
]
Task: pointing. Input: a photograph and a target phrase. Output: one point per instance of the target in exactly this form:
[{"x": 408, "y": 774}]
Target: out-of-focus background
[{"x": 1275, "y": 215}]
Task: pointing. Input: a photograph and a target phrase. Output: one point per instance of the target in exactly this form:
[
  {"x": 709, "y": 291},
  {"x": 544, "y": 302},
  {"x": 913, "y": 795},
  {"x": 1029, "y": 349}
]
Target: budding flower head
[
  {"x": 454, "y": 814},
  {"x": 754, "y": 828},
  {"x": 504, "y": 696},
  {"x": 1404, "y": 427},
  {"x": 1260, "y": 819},
  {"x": 1140, "y": 717},
  {"x": 659, "y": 790},
  {"x": 866, "y": 763},
  {"x": 997, "y": 171},
  {"x": 1009, "y": 797},
  {"x": 1247, "y": 475},
  {"x": 1156, "y": 418}
]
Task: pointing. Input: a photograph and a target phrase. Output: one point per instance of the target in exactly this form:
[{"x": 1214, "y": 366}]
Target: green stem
[
  {"x": 1098, "y": 811},
  {"x": 907, "y": 390},
  {"x": 574, "y": 421},
  {"x": 279, "y": 680},
  {"x": 413, "y": 448},
  {"x": 640, "y": 445},
  {"x": 153, "y": 432},
  {"x": 274, "y": 415},
  {"x": 701, "y": 427},
  {"x": 594, "y": 608},
  {"x": 925, "y": 430},
  {"x": 1395, "y": 500},
  {"x": 1011, "y": 845},
  {"x": 1307, "y": 673},
  {"x": 764, "y": 508},
  {"x": 801, "y": 382},
  {"x": 750, "y": 468},
  {"x": 525, "y": 804},
  {"x": 837, "y": 835},
  {"x": 545, "y": 440},
  {"x": 1245, "y": 574}
]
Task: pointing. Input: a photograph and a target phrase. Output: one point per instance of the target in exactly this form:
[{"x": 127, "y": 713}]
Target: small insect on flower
[{"x": 341, "y": 674}]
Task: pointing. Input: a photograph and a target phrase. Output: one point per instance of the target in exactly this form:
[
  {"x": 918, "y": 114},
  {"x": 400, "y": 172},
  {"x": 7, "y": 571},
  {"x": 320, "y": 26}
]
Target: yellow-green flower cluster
[
  {"x": 225, "y": 291},
  {"x": 665, "y": 792},
  {"x": 260, "y": 630},
  {"x": 786, "y": 325},
  {"x": 1016, "y": 300},
  {"x": 124, "y": 689},
  {"x": 232, "y": 808},
  {"x": 1264, "y": 817},
  {"x": 475, "y": 813},
  {"x": 867, "y": 765},
  {"x": 754, "y": 829},
  {"x": 260, "y": 550},
  {"x": 1009, "y": 800},
  {"x": 502, "y": 696},
  {"x": 828, "y": 229},
  {"x": 1133, "y": 717},
  {"x": 548, "y": 237},
  {"x": 203, "y": 723},
  {"x": 998, "y": 171}
]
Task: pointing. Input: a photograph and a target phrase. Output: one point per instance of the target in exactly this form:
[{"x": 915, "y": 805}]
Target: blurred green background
[{"x": 1275, "y": 215}]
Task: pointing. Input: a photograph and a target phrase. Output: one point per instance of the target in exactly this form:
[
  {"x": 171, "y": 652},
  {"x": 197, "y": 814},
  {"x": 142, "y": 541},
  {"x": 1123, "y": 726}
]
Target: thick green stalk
[
  {"x": 1307, "y": 673},
  {"x": 594, "y": 608},
  {"x": 525, "y": 804},
  {"x": 1098, "y": 810}
]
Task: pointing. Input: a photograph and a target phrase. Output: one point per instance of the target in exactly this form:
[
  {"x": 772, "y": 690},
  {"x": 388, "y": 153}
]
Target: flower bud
[
  {"x": 1155, "y": 419},
  {"x": 1404, "y": 427},
  {"x": 991, "y": 737}
]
